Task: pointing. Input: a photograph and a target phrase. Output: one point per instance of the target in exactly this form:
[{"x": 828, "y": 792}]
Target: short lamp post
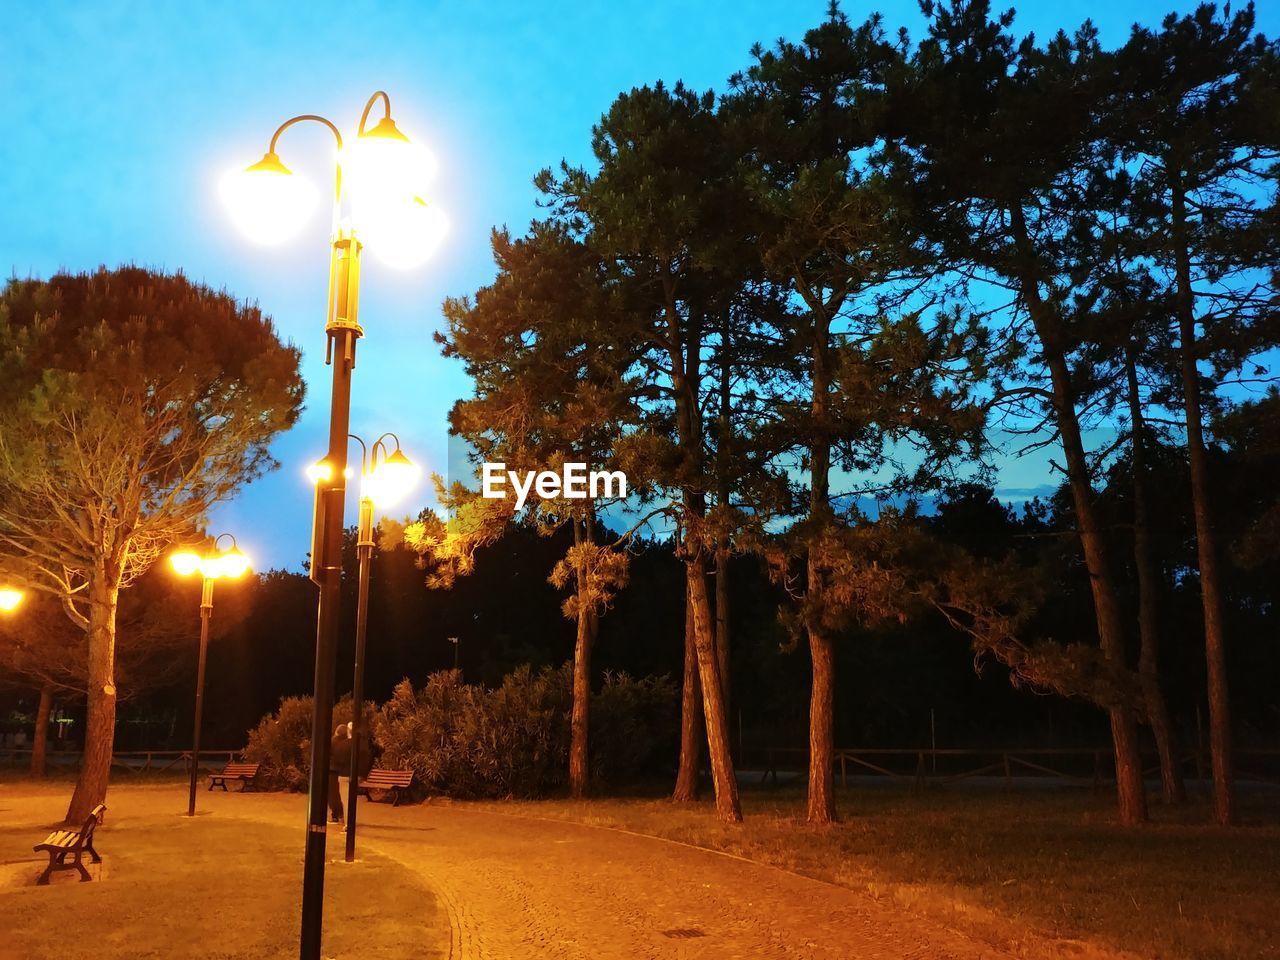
[
  {"x": 379, "y": 183},
  {"x": 385, "y": 479},
  {"x": 220, "y": 564}
]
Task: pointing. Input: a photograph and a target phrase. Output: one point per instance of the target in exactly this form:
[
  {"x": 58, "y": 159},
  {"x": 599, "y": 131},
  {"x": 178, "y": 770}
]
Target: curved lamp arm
[
  {"x": 310, "y": 116},
  {"x": 386, "y": 109}
]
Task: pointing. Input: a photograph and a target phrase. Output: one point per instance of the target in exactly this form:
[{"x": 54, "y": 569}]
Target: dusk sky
[{"x": 124, "y": 116}]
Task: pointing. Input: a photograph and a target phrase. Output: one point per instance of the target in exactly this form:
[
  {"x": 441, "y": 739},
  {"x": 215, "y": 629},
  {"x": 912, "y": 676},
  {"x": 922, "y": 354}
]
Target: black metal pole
[
  {"x": 364, "y": 552},
  {"x": 206, "y": 611},
  {"x": 326, "y": 569}
]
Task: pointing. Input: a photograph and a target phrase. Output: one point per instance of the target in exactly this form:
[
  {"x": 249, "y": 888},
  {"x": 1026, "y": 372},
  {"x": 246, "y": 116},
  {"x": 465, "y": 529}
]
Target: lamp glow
[
  {"x": 230, "y": 565},
  {"x": 391, "y": 480},
  {"x": 268, "y": 202},
  {"x": 322, "y": 470},
  {"x": 10, "y": 599},
  {"x": 406, "y": 234},
  {"x": 383, "y": 168},
  {"x": 185, "y": 563}
]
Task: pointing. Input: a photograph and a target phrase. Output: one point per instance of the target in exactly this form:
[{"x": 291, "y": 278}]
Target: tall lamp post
[
  {"x": 220, "y": 564},
  {"x": 385, "y": 478},
  {"x": 379, "y": 179}
]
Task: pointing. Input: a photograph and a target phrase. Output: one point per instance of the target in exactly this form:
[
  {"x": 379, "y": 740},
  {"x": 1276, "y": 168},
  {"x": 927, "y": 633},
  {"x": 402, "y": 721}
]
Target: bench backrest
[
  {"x": 91, "y": 822},
  {"x": 391, "y": 778},
  {"x": 241, "y": 769}
]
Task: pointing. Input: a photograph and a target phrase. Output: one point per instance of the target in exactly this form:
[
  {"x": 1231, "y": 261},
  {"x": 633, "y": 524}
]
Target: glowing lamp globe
[
  {"x": 381, "y": 167},
  {"x": 10, "y": 599},
  {"x": 186, "y": 563},
  {"x": 391, "y": 480},
  {"x": 405, "y": 235},
  {"x": 229, "y": 565},
  {"x": 268, "y": 202}
]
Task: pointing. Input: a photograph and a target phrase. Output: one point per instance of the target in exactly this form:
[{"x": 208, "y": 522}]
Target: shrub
[
  {"x": 281, "y": 741},
  {"x": 471, "y": 741},
  {"x": 513, "y": 741},
  {"x": 633, "y": 727}
]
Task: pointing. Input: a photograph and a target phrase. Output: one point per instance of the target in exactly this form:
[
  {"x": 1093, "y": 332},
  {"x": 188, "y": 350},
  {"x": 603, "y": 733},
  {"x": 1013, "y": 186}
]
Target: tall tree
[
  {"x": 661, "y": 208},
  {"x": 551, "y": 388},
  {"x": 130, "y": 403},
  {"x": 1204, "y": 133},
  {"x": 1026, "y": 117},
  {"x": 866, "y": 354}
]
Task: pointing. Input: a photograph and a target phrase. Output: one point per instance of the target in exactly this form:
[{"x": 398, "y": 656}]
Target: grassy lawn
[
  {"x": 1017, "y": 868},
  {"x": 208, "y": 887}
]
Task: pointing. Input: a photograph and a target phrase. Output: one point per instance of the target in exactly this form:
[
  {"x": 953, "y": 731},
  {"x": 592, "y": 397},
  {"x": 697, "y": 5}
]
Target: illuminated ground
[{"x": 511, "y": 888}]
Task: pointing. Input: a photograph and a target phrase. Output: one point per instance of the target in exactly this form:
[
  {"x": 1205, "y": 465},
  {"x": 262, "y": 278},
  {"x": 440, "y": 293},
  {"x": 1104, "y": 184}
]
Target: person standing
[{"x": 339, "y": 767}]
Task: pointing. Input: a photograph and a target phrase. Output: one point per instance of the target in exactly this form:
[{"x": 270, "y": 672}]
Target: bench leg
[
  {"x": 395, "y": 797},
  {"x": 84, "y": 874},
  {"x": 93, "y": 854},
  {"x": 44, "y": 877}
]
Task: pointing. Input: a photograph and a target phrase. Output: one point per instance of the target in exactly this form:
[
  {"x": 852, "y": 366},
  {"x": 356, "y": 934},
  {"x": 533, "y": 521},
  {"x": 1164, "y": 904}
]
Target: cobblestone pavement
[{"x": 518, "y": 888}]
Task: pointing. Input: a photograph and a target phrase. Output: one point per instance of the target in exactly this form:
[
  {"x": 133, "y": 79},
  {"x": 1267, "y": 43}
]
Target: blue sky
[{"x": 122, "y": 117}]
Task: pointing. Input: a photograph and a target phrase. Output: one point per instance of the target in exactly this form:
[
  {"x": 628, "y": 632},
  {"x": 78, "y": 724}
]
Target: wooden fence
[
  {"x": 133, "y": 761},
  {"x": 1081, "y": 766}
]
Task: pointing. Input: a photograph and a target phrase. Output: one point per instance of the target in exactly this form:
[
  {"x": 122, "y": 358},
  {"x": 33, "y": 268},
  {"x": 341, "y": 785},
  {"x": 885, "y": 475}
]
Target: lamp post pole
[
  {"x": 364, "y": 553},
  {"x": 342, "y": 330},
  {"x": 387, "y": 177},
  {"x": 206, "y": 613}
]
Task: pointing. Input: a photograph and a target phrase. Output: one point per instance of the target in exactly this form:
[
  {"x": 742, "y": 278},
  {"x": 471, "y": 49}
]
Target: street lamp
[
  {"x": 228, "y": 564},
  {"x": 10, "y": 599},
  {"x": 379, "y": 180},
  {"x": 454, "y": 641},
  {"x": 385, "y": 479}
]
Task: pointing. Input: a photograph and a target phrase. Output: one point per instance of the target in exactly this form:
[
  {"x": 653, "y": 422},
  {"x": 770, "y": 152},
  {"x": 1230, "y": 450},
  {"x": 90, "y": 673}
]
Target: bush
[
  {"x": 513, "y": 741},
  {"x": 471, "y": 741},
  {"x": 281, "y": 741},
  {"x": 634, "y": 726}
]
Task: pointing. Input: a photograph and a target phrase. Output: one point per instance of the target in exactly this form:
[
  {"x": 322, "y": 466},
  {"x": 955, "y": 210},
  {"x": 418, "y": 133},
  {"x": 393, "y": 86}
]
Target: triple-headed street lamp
[
  {"x": 385, "y": 479},
  {"x": 219, "y": 564},
  {"x": 379, "y": 182}
]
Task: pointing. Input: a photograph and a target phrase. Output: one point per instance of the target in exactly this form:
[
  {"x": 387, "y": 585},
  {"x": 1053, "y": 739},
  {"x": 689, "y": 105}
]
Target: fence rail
[
  {"x": 1083, "y": 766},
  {"x": 132, "y": 761}
]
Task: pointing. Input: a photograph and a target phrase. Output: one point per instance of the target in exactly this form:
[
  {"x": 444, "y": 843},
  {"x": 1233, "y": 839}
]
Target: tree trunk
[
  {"x": 686, "y": 357},
  {"x": 579, "y": 769},
  {"x": 1215, "y": 642},
  {"x": 690, "y": 715},
  {"x": 722, "y": 775},
  {"x": 40, "y": 740},
  {"x": 1149, "y": 599},
  {"x": 822, "y": 797},
  {"x": 722, "y": 626},
  {"x": 1130, "y": 791},
  {"x": 723, "y": 497},
  {"x": 100, "y": 724}
]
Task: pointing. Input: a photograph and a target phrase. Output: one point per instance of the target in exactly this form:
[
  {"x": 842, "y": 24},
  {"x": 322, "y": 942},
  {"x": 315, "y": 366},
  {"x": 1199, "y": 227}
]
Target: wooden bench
[
  {"x": 244, "y": 772},
  {"x": 393, "y": 781},
  {"x": 60, "y": 843}
]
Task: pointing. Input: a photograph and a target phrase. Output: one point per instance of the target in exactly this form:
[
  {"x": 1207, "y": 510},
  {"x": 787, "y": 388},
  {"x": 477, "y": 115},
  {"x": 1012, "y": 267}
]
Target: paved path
[
  {"x": 523, "y": 889},
  {"x": 520, "y": 888}
]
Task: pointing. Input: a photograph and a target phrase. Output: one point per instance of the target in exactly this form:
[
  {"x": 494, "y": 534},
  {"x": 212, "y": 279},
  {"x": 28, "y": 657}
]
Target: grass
[
  {"x": 206, "y": 887},
  {"x": 1040, "y": 871}
]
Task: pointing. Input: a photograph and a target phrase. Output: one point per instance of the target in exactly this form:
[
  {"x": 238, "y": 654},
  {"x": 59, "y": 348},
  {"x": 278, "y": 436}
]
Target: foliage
[
  {"x": 281, "y": 741},
  {"x": 513, "y": 740}
]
